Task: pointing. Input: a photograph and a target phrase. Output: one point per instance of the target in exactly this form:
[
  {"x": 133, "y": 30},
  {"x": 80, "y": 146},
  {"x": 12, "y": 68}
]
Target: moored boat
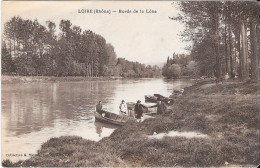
[
  {"x": 112, "y": 118},
  {"x": 155, "y": 97},
  {"x": 178, "y": 92},
  {"x": 151, "y": 99}
]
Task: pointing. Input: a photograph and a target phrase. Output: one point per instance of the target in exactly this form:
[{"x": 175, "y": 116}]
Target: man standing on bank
[
  {"x": 138, "y": 110},
  {"x": 161, "y": 106}
]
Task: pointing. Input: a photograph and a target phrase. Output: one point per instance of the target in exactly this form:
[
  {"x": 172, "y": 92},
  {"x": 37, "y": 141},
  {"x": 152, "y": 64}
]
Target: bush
[{"x": 173, "y": 71}]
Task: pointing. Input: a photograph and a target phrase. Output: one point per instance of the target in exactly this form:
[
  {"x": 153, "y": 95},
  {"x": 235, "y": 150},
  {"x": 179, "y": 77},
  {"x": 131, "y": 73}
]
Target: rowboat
[
  {"x": 178, "y": 92},
  {"x": 151, "y": 99},
  {"x": 112, "y": 118},
  {"x": 159, "y": 96},
  {"x": 155, "y": 97}
]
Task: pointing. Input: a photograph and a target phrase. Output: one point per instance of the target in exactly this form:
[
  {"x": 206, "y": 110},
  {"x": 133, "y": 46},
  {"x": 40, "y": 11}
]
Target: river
[{"x": 32, "y": 113}]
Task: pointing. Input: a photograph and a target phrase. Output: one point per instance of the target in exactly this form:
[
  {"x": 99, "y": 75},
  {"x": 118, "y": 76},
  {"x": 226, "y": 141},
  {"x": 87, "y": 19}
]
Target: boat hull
[
  {"x": 150, "y": 99},
  {"x": 112, "y": 118},
  {"x": 153, "y": 99}
]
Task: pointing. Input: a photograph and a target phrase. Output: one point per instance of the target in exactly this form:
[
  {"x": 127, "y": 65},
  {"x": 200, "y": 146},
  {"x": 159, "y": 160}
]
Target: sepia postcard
[{"x": 130, "y": 83}]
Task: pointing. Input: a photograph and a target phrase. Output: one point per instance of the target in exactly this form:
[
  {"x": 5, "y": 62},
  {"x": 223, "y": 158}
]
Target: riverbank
[
  {"x": 228, "y": 114},
  {"x": 29, "y": 79}
]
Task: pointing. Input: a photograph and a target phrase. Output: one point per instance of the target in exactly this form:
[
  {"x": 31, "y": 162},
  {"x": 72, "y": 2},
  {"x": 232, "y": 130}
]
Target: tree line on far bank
[
  {"x": 32, "y": 49},
  {"x": 179, "y": 65},
  {"x": 225, "y": 39}
]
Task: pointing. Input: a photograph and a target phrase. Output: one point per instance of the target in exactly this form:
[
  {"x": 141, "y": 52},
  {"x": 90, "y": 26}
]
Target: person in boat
[
  {"x": 161, "y": 106},
  {"x": 99, "y": 107},
  {"x": 123, "y": 107},
  {"x": 138, "y": 110}
]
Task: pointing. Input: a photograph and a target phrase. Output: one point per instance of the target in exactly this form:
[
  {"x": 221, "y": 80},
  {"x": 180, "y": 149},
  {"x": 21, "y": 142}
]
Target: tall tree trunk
[
  {"x": 227, "y": 54},
  {"x": 235, "y": 58},
  {"x": 10, "y": 42},
  {"x": 218, "y": 59},
  {"x": 231, "y": 62},
  {"x": 87, "y": 69},
  {"x": 238, "y": 48},
  {"x": 92, "y": 64},
  {"x": 254, "y": 53},
  {"x": 244, "y": 53},
  {"x": 14, "y": 46}
]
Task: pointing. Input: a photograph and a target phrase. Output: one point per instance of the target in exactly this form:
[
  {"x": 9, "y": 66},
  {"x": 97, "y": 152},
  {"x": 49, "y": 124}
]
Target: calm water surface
[{"x": 32, "y": 113}]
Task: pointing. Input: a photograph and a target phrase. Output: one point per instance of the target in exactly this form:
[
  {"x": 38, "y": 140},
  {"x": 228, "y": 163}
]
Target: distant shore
[
  {"x": 224, "y": 114},
  {"x": 29, "y": 79},
  {"x": 6, "y": 79}
]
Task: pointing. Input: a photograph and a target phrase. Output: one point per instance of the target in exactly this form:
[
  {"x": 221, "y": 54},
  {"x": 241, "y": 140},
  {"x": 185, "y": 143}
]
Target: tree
[
  {"x": 192, "y": 68},
  {"x": 254, "y": 51},
  {"x": 7, "y": 62},
  {"x": 30, "y": 48},
  {"x": 224, "y": 26},
  {"x": 173, "y": 71}
]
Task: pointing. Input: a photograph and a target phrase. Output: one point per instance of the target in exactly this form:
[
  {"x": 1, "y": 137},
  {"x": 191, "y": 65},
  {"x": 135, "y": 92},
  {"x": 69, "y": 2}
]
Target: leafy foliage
[
  {"x": 218, "y": 32},
  {"x": 30, "y": 48},
  {"x": 178, "y": 66}
]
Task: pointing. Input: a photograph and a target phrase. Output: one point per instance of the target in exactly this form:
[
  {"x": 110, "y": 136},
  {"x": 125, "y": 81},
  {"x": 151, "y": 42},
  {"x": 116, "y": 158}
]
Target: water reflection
[
  {"x": 101, "y": 128},
  {"x": 32, "y": 113}
]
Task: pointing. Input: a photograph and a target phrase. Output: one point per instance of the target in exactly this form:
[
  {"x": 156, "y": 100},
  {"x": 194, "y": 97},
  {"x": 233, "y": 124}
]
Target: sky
[{"x": 144, "y": 37}]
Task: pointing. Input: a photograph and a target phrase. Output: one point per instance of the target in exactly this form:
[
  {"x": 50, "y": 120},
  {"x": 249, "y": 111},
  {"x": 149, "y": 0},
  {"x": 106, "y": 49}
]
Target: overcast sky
[{"x": 146, "y": 38}]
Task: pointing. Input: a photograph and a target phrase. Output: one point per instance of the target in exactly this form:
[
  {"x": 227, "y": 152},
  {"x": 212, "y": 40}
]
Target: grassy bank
[
  {"x": 28, "y": 79},
  {"x": 228, "y": 113}
]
